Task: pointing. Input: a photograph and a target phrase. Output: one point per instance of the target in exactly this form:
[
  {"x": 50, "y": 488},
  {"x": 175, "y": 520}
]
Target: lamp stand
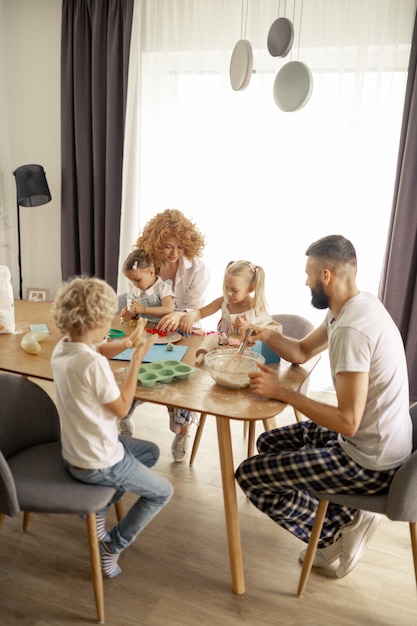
[{"x": 19, "y": 255}]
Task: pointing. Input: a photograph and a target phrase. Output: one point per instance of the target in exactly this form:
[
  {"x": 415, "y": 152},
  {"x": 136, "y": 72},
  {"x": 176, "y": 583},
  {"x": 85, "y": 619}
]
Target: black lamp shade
[{"x": 31, "y": 185}]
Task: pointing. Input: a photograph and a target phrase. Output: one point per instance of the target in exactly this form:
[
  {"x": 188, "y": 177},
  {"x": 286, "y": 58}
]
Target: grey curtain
[
  {"x": 398, "y": 288},
  {"x": 95, "y": 42}
]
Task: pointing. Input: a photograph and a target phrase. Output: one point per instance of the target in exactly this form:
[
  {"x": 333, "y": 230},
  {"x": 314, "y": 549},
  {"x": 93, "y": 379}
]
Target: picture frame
[{"x": 37, "y": 294}]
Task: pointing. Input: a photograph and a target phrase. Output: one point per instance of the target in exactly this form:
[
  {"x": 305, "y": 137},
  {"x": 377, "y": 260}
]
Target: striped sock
[
  {"x": 101, "y": 527},
  {"x": 109, "y": 561}
]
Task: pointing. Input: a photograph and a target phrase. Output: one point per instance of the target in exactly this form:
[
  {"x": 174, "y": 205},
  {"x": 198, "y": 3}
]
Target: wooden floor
[{"x": 177, "y": 571}]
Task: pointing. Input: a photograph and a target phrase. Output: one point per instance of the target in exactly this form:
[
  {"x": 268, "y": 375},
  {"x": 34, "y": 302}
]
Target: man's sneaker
[
  {"x": 127, "y": 427},
  {"x": 325, "y": 556},
  {"x": 355, "y": 538},
  {"x": 179, "y": 447}
]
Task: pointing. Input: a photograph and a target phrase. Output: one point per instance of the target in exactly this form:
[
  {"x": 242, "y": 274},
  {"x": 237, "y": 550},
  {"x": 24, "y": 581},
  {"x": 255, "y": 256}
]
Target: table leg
[
  {"x": 230, "y": 504},
  {"x": 251, "y": 438}
]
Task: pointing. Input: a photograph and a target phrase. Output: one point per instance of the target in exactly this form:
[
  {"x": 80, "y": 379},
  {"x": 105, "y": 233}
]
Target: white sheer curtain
[{"x": 260, "y": 183}]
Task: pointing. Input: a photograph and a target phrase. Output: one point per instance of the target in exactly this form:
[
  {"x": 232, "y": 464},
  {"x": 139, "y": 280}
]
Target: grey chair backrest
[
  {"x": 294, "y": 326},
  {"x": 22, "y": 401},
  {"x": 402, "y": 496},
  {"x": 122, "y": 302}
]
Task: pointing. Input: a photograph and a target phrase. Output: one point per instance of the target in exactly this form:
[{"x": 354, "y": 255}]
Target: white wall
[{"x": 30, "y": 36}]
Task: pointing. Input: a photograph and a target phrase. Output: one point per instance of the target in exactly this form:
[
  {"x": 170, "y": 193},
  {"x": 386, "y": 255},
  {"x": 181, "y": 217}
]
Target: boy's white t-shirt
[{"x": 84, "y": 383}]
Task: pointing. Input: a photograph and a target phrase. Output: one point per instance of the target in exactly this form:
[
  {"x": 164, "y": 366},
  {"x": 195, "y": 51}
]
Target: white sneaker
[
  {"x": 127, "y": 427},
  {"x": 355, "y": 538},
  {"x": 325, "y": 556},
  {"x": 180, "y": 446}
]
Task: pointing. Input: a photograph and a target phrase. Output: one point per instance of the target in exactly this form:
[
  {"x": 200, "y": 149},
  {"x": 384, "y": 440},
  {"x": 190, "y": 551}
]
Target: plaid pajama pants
[{"x": 296, "y": 459}]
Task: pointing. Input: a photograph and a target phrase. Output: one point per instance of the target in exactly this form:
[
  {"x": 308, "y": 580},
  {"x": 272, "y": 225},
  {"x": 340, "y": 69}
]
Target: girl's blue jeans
[{"x": 131, "y": 474}]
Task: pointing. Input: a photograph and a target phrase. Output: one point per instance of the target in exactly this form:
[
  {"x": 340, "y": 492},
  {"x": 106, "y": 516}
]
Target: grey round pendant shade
[
  {"x": 241, "y": 65},
  {"x": 280, "y": 37},
  {"x": 293, "y": 86}
]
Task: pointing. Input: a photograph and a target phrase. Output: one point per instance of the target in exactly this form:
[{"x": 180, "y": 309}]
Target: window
[{"x": 260, "y": 183}]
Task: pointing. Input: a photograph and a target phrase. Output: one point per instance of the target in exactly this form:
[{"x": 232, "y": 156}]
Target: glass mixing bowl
[{"x": 229, "y": 369}]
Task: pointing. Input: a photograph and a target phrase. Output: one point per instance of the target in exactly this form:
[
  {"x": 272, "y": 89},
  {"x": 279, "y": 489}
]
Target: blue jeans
[{"x": 131, "y": 474}]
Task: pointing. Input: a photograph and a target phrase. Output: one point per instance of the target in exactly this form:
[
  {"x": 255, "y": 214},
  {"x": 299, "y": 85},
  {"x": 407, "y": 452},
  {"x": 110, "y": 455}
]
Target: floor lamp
[{"x": 32, "y": 190}]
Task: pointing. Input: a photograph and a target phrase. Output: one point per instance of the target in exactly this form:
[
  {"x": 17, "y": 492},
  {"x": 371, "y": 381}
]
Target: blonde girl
[{"x": 243, "y": 300}]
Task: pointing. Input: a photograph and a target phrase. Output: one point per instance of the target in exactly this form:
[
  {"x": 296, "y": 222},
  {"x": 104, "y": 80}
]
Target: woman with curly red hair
[{"x": 175, "y": 246}]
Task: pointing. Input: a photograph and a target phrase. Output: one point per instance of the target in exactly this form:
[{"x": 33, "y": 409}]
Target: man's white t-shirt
[
  {"x": 364, "y": 338},
  {"x": 84, "y": 383}
]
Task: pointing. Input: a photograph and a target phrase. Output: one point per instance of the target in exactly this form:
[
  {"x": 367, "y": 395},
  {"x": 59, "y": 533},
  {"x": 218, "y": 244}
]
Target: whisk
[{"x": 241, "y": 348}]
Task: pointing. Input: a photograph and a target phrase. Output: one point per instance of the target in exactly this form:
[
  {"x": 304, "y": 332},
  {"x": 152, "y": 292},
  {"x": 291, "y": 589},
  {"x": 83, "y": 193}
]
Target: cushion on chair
[
  {"x": 375, "y": 503},
  {"x": 43, "y": 484}
]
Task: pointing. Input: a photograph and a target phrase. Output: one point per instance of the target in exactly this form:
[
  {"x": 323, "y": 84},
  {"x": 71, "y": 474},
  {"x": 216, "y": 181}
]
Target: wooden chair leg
[
  {"x": 26, "y": 518},
  {"x": 251, "y": 439},
  {"x": 270, "y": 423},
  {"x": 96, "y": 573},
  {"x": 246, "y": 428},
  {"x": 413, "y": 535},
  {"x": 312, "y": 546},
  {"x": 119, "y": 510},
  {"x": 297, "y": 414},
  {"x": 197, "y": 437},
  {"x": 2, "y": 516}
]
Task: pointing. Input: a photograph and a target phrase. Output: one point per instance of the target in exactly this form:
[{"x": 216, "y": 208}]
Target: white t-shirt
[
  {"x": 364, "y": 338},
  {"x": 84, "y": 383}
]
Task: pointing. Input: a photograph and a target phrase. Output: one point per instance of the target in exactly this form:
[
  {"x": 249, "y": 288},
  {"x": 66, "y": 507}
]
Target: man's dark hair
[{"x": 336, "y": 248}]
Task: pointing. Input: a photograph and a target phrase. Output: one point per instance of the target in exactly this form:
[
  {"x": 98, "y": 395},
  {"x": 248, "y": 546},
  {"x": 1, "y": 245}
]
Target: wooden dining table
[{"x": 198, "y": 393}]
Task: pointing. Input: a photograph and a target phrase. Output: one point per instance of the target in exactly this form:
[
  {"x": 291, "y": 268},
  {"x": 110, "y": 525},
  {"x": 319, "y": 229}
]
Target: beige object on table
[{"x": 209, "y": 343}]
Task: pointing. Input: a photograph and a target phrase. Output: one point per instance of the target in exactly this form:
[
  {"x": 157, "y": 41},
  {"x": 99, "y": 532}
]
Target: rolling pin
[{"x": 210, "y": 342}]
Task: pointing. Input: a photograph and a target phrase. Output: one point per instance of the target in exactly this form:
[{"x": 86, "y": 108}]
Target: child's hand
[
  {"x": 242, "y": 321},
  {"x": 135, "y": 308},
  {"x": 138, "y": 338},
  {"x": 125, "y": 314},
  {"x": 186, "y": 323}
]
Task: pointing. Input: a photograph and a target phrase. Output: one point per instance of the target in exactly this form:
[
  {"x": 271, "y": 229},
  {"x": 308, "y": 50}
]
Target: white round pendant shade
[
  {"x": 293, "y": 86},
  {"x": 241, "y": 65}
]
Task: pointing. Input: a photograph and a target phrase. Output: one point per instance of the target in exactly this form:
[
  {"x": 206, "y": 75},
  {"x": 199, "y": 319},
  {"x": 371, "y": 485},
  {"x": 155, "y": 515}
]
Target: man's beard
[{"x": 319, "y": 299}]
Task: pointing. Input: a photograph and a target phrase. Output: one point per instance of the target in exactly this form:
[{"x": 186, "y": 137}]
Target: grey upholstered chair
[
  {"x": 32, "y": 474},
  {"x": 294, "y": 326},
  {"x": 399, "y": 505},
  {"x": 121, "y": 301}
]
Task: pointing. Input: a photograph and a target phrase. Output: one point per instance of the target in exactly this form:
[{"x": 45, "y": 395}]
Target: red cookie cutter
[{"x": 155, "y": 331}]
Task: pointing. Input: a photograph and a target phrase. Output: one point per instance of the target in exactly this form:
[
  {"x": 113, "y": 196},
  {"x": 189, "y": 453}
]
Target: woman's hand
[{"x": 171, "y": 322}]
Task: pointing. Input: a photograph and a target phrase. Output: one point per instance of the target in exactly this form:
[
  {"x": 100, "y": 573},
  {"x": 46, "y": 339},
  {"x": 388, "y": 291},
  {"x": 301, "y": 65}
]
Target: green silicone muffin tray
[{"x": 163, "y": 372}]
